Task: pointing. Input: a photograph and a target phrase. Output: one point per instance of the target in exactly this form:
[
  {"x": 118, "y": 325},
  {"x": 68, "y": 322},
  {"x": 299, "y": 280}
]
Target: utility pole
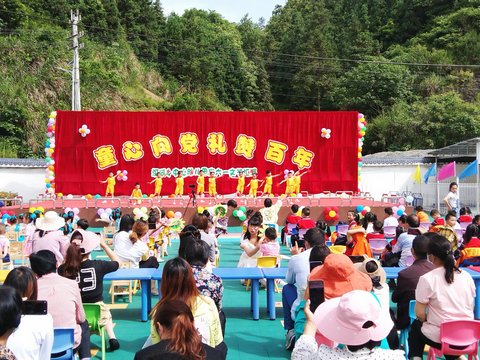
[{"x": 74, "y": 19}]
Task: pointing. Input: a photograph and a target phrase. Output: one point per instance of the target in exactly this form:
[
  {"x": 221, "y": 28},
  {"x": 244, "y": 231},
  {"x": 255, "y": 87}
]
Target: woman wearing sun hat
[
  {"x": 49, "y": 237},
  {"x": 355, "y": 320}
]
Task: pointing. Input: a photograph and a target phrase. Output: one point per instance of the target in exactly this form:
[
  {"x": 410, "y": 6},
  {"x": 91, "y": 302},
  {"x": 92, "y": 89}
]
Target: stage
[{"x": 317, "y": 204}]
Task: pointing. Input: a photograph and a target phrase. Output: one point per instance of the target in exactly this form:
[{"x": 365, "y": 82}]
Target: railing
[
  {"x": 105, "y": 199},
  {"x": 41, "y": 202},
  {"x": 17, "y": 201}
]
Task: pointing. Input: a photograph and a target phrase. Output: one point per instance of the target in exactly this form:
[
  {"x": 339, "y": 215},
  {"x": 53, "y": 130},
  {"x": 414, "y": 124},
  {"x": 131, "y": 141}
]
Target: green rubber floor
[{"x": 245, "y": 338}]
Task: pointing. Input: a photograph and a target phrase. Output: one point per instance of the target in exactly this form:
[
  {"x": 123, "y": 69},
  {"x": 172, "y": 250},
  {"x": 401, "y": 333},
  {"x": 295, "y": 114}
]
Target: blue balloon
[
  {"x": 359, "y": 208},
  {"x": 97, "y": 196},
  {"x": 48, "y": 185},
  {"x": 2, "y": 204}
]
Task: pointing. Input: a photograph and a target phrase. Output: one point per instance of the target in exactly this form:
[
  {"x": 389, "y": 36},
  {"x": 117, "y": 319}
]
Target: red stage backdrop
[{"x": 143, "y": 143}]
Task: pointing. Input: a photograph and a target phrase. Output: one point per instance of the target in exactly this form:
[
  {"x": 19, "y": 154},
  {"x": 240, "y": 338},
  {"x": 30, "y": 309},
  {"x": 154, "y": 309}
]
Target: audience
[
  {"x": 305, "y": 221},
  {"x": 404, "y": 242},
  {"x": 178, "y": 337},
  {"x": 200, "y": 221},
  {"x": 250, "y": 244},
  {"x": 368, "y": 220},
  {"x": 390, "y": 220},
  {"x": 445, "y": 293},
  {"x": 356, "y": 320},
  {"x": 377, "y": 231},
  {"x": 270, "y": 212},
  {"x": 437, "y": 219},
  {"x": 178, "y": 283},
  {"x": 357, "y": 243},
  {"x": 292, "y": 218},
  {"x": 448, "y": 230},
  {"x": 188, "y": 234},
  {"x": 407, "y": 282},
  {"x": 63, "y": 299},
  {"x": 4, "y": 244},
  {"x": 296, "y": 279},
  {"x": 33, "y": 339},
  {"x": 422, "y": 215},
  {"x": 470, "y": 238},
  {"x": 90, "y": 273},
  {"x": 49, "y": 237},
  {"x": 270, "y": 246},
  {"x": 208, "y": 284},
  {"x": 10, "y": 313},
  {"x": 465, "y": 215}
]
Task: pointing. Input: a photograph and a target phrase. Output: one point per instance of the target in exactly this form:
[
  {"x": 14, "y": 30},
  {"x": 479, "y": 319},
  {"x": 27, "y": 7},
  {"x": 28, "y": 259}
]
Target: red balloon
[
  {"x": 363, "y": 212},
  {"x": 11, "y": 213},
  {"x": 327, "y": 210},
  {"x": 336, "y": 217},
  {"x": 334, "y": 208}
]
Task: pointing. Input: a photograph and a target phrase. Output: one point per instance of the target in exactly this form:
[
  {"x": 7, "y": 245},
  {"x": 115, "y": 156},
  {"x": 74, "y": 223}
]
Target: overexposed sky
[{"x": 232, "y": 11}]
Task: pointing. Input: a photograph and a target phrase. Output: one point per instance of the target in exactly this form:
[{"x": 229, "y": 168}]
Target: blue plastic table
[
  {"x": 144, "y": 275},
  {"x": 252, "y": 273},
  {"x": 271, "y": 274},
  {"x": 392, "y": 272}
]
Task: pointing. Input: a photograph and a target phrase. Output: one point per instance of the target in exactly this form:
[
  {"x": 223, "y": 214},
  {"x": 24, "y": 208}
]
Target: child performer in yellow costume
[
  {"x": 268, "y": 182},
  {"x": 200, "y": 183},
  {"x": 241, "y": 183},
  {"x": 290, "y": 180},
  {"x": 179, "y": 181},
  {"x": 158, "y": 185},
  {"x": 137, "y": 193},
  {"x": 297, "y": 181},
  {"x": 110, "y": 184},
  {"x": 253, "y": 186},
  {"x": 212, "y": 184}
]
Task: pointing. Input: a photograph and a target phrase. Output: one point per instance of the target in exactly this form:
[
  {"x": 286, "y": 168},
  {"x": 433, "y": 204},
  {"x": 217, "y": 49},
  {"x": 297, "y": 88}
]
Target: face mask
[{"x": 428, "y": 259}]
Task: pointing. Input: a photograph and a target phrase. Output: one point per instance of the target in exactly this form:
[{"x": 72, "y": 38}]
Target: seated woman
[
  {"x": 33, "y": 338},
  {"x": 174, "y": 323},
  {"x": 356, "y": 320},
  {"x": 49, "y": 237},
  {"x": 446, "y": 293},
  {"x": 178, "y": 283},
  {"x": 250, "y": 244},
  {"x": 90, "y": 274},
  {"x": 10, "y": 313}
]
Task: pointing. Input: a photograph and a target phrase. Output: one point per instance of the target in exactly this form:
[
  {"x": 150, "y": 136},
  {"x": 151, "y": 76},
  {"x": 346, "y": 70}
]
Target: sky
[{"x": 232, "y": 11}]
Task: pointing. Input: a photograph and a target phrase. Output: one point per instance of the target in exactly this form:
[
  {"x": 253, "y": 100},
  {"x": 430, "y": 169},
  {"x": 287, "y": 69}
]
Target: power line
[{"x": 308, "y": 57}]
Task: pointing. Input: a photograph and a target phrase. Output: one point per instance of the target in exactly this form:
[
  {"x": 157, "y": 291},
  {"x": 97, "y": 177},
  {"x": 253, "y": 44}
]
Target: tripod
[{"x": 193, "y": 199}]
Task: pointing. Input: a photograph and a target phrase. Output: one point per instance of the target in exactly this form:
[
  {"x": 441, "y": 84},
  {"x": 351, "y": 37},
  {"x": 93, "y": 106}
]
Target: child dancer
[
  {"x": 212, "y": 184},
  {"x": 200, "y": 183},
  {"x": 110, "y": 184},
  {"x": 179, "y": 187},
  {"x": 268, "y": 182},
  {"x": 136, "y": 193},
  {"x": 297, "y": 180},
  {"x": 241, "y": 183},
  {"x": 253, "y": 186},
  {"x": 290, "y": 186},
  {"x": 158, "y": 185}
]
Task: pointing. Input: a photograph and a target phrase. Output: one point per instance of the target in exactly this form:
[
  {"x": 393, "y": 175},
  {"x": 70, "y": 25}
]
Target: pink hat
[
  {"x": 342, "y": 319},
  {"x": 90, "y": 241}
]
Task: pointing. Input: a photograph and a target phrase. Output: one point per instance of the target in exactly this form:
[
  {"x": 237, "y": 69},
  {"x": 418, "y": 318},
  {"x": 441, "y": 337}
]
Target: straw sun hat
[{"x": 51, "y": 221}]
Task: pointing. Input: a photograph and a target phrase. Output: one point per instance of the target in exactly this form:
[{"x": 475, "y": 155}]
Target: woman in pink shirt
[{"x": 445, "y": 293}]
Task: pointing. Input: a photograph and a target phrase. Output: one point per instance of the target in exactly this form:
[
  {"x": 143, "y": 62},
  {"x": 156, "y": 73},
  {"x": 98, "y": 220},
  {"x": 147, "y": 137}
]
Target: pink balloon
[
  {"x": 76, "y": 211},
  {"x": 401, "y": 201},
  {"x": 395, "y": 209},
  {"x": 178, "y": 215},
  {"x": 401, "y": 207}
]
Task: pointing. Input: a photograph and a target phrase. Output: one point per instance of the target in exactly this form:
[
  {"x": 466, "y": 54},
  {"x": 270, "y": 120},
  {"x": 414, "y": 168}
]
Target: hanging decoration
[
  {"x": 362, "y": 128},
  {"x": 84, "y": 130},
  {"x": 326, "y": 133},
  {"x": 49, "y": 155}
]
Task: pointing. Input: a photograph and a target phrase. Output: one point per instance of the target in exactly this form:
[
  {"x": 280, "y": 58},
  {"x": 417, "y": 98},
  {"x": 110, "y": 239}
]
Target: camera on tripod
[{"x": 191, "y": 186}]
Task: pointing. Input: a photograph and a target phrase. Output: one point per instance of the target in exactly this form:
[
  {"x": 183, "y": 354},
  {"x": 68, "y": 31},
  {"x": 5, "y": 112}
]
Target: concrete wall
[{"x": 27, "y": 182}]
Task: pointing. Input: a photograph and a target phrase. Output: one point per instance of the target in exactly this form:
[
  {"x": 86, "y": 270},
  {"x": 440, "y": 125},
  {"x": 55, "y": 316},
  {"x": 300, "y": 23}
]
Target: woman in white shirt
[
  {"x": 451, "y": 200},
  {"x": 250, "y": 244},
  {"x": 33, "y": 338},
  {"x": 445, "y": 293}
]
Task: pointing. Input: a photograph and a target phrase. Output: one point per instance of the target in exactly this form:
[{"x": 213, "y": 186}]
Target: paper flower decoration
[
  {"x": 326, "y": 133},
  {"x": 122, "y": 175},
  {"x": 84, "y": 130}
]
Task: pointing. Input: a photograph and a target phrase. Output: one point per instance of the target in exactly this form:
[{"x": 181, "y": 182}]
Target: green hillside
[{"x": 411, "y": 66}]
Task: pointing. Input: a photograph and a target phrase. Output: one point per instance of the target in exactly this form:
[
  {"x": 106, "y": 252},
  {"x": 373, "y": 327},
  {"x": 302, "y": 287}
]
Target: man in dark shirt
[{"x": 408, "y": 279}]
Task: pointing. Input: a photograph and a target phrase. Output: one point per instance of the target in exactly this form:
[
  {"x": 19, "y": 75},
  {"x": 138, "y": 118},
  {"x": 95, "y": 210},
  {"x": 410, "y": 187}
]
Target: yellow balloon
[
  {"x": 332, "y": 213},
  {"x": 299, "y": 213},
  {"x": 41, "y": 209},
  {"x": 200, "y": 209},
  {"x": 31, "y": 210}
]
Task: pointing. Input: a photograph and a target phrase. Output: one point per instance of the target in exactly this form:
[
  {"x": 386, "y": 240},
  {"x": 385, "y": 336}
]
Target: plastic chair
[
  {"x": 425, "y": 225},
  {"x": 92, "y": 314},
  {"x": 404, "y": 332},
  {"x": 301, "y": 233},
  {"x": 109, "y": 231},
  {"x": 265, "y": 262},
  {"x": 458, "y": 333},
  {"x": 63, "y": 342},
  {"x": 290, "y": 227},
  {"x": 11, "y": 235},
  {"x": 16, "y": 252},
  {"x": 463, "y": 225},
  {"x": 377, "y": 246},
  {"x": 389, "y": 232},
  {"x": 342, "y": 230},
  {"x": 122, "y": 287}
]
